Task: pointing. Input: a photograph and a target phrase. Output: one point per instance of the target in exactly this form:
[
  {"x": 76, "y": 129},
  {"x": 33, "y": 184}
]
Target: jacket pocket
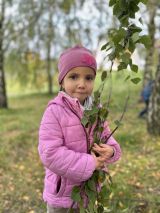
[{"x": 60, "y": 187}]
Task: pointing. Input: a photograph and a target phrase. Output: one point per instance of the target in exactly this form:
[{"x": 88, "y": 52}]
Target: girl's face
[{"x": 79, "y": 82}]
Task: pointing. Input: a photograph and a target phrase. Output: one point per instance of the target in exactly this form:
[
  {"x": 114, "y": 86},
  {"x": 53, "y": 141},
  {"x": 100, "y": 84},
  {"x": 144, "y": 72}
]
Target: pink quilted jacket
[{"x": 63, "y": 150}]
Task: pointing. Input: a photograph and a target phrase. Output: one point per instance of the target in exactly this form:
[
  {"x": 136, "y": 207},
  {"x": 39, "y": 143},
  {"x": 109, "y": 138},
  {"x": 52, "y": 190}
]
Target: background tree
[
  {"x": 149, "y": 62},
  {"x": 153, "y": 119},
  {"x": 11, "y": 30},
  {"x": 3, "y": 96}
]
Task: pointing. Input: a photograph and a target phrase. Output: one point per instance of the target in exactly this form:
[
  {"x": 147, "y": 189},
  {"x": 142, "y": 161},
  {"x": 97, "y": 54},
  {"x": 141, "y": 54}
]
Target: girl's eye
[
  {"x": 89, "y": 78},
  {"x": 73, "y": 77}
]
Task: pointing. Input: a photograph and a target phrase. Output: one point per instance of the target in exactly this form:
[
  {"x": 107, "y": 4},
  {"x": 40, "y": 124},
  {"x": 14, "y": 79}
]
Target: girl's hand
[
  {"x": 105, "y": 151},
  {"x": 99, "y": 161}
]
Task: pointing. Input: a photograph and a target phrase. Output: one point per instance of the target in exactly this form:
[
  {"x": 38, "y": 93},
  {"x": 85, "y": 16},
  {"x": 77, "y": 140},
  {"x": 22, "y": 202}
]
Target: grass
[{"x": 136, "y": 176}]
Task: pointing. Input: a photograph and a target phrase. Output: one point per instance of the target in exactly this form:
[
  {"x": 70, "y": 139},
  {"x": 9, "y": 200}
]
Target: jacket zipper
[{"x": 87, "y": 137}]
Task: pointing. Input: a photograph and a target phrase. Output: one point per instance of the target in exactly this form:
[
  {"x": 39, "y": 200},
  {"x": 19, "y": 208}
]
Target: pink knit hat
[{"x": 77, "y": 56}]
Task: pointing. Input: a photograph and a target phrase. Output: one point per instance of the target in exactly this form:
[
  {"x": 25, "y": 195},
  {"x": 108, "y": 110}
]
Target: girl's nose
[{"x": 81, "y": 83}]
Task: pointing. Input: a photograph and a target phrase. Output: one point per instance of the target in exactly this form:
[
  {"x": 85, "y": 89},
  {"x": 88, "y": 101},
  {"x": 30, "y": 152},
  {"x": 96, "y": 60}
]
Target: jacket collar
[
  {"x": 64, "y": 100},
  {"x": 72, "y": 103}
]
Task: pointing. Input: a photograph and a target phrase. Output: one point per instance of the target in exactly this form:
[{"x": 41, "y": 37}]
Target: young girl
[{"x": 63, "y": 140}]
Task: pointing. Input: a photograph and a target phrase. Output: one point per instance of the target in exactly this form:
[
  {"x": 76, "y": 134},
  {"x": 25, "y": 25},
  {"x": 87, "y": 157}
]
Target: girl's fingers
[
  {"x": 103, "y": 145},
  {"x": 103, "y": 148},
  {"x": 101, "y": 159},
  {"x": 100, "y": 146},
  {"x": 92, "y": 153},
  {"x": 96, "y": 150},
  {"x": 99, "y": 150},
  {"x": 95, "y": 144}
]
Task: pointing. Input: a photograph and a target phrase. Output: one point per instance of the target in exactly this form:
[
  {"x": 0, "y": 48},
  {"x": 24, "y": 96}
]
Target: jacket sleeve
[
  {"x": 57, "y": 157},
  {"x": 112, "y": 142}
]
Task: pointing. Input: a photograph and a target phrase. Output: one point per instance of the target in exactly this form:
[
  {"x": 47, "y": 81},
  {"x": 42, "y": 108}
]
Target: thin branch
[
  {"x": 110, "y": 90},
  {"x": 121, "y": 118}
]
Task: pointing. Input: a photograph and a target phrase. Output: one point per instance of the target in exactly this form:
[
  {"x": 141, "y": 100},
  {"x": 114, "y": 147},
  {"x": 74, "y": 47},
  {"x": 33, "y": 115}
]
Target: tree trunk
[
  {"x": 149, "y": 56},
  {"x": 49, "y": 71},
  {"x": 49, "y": 41},
  {"x": 153, "y": 121},
  {"x": 3, "y": 96}
]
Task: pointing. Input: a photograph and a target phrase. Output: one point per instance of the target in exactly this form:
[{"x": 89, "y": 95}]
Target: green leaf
[
  {"x": 96, "y": 95},
  {"x": 100, "y": 209},
  {"x": 84, "y": 121},
  {"x": 144, "y": 1},
  {"x": 131, "y": 45},
  {"x": 92, "y": 119},
  {"x": 126, "y": 58},
  {"x": 122, "y": 66},
  {"x": 76, "y": 194},
  {"x": 100, "y": 129},
  {"x": 117, "y": 123},
  {"x": 116, "y": 38},
  {"x": 91, "y": 194},
  {"x": 136, "y": 80},
  {"x": 132, "y": 14},
  {"x": 91, "y": 185},
  {"x": 119, "y": 48},
  {"x": 112, "y": 2},
  {"x": 96, "y": 139},
  {"x": 133, "y": 8},
  {"x": 135, "y": 37},
  {"x": 112, "y": 55},
  {"x": 109, "y": 179},
  {"x": 91, "y": 205},
  {"x": 119, "y": 35},
  {"x": 95, "y": 175},
  {"x": 82, "y": 210},
  {"x": 104, "y": 75},
  {"x": 133, "y": 28},
  {"x": 130, "y": 61},
  {"x": 104, "y": 191},
  {"x": 123, "y": 4},
  {"x": 134, "y": 68},
  {"x": 103, "y": 113},
  {"x": 91, "y": 112},
  {"x": 116, "y": 10},
  {"x": 108, "y": 48},
  {"x": 145, "y": 40},
  {"x": 102, "y": 176},
  {"x": 128, "y": 77},
  {"x": 104, "y": 46},
  {"x": 125, "y": 20}
]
